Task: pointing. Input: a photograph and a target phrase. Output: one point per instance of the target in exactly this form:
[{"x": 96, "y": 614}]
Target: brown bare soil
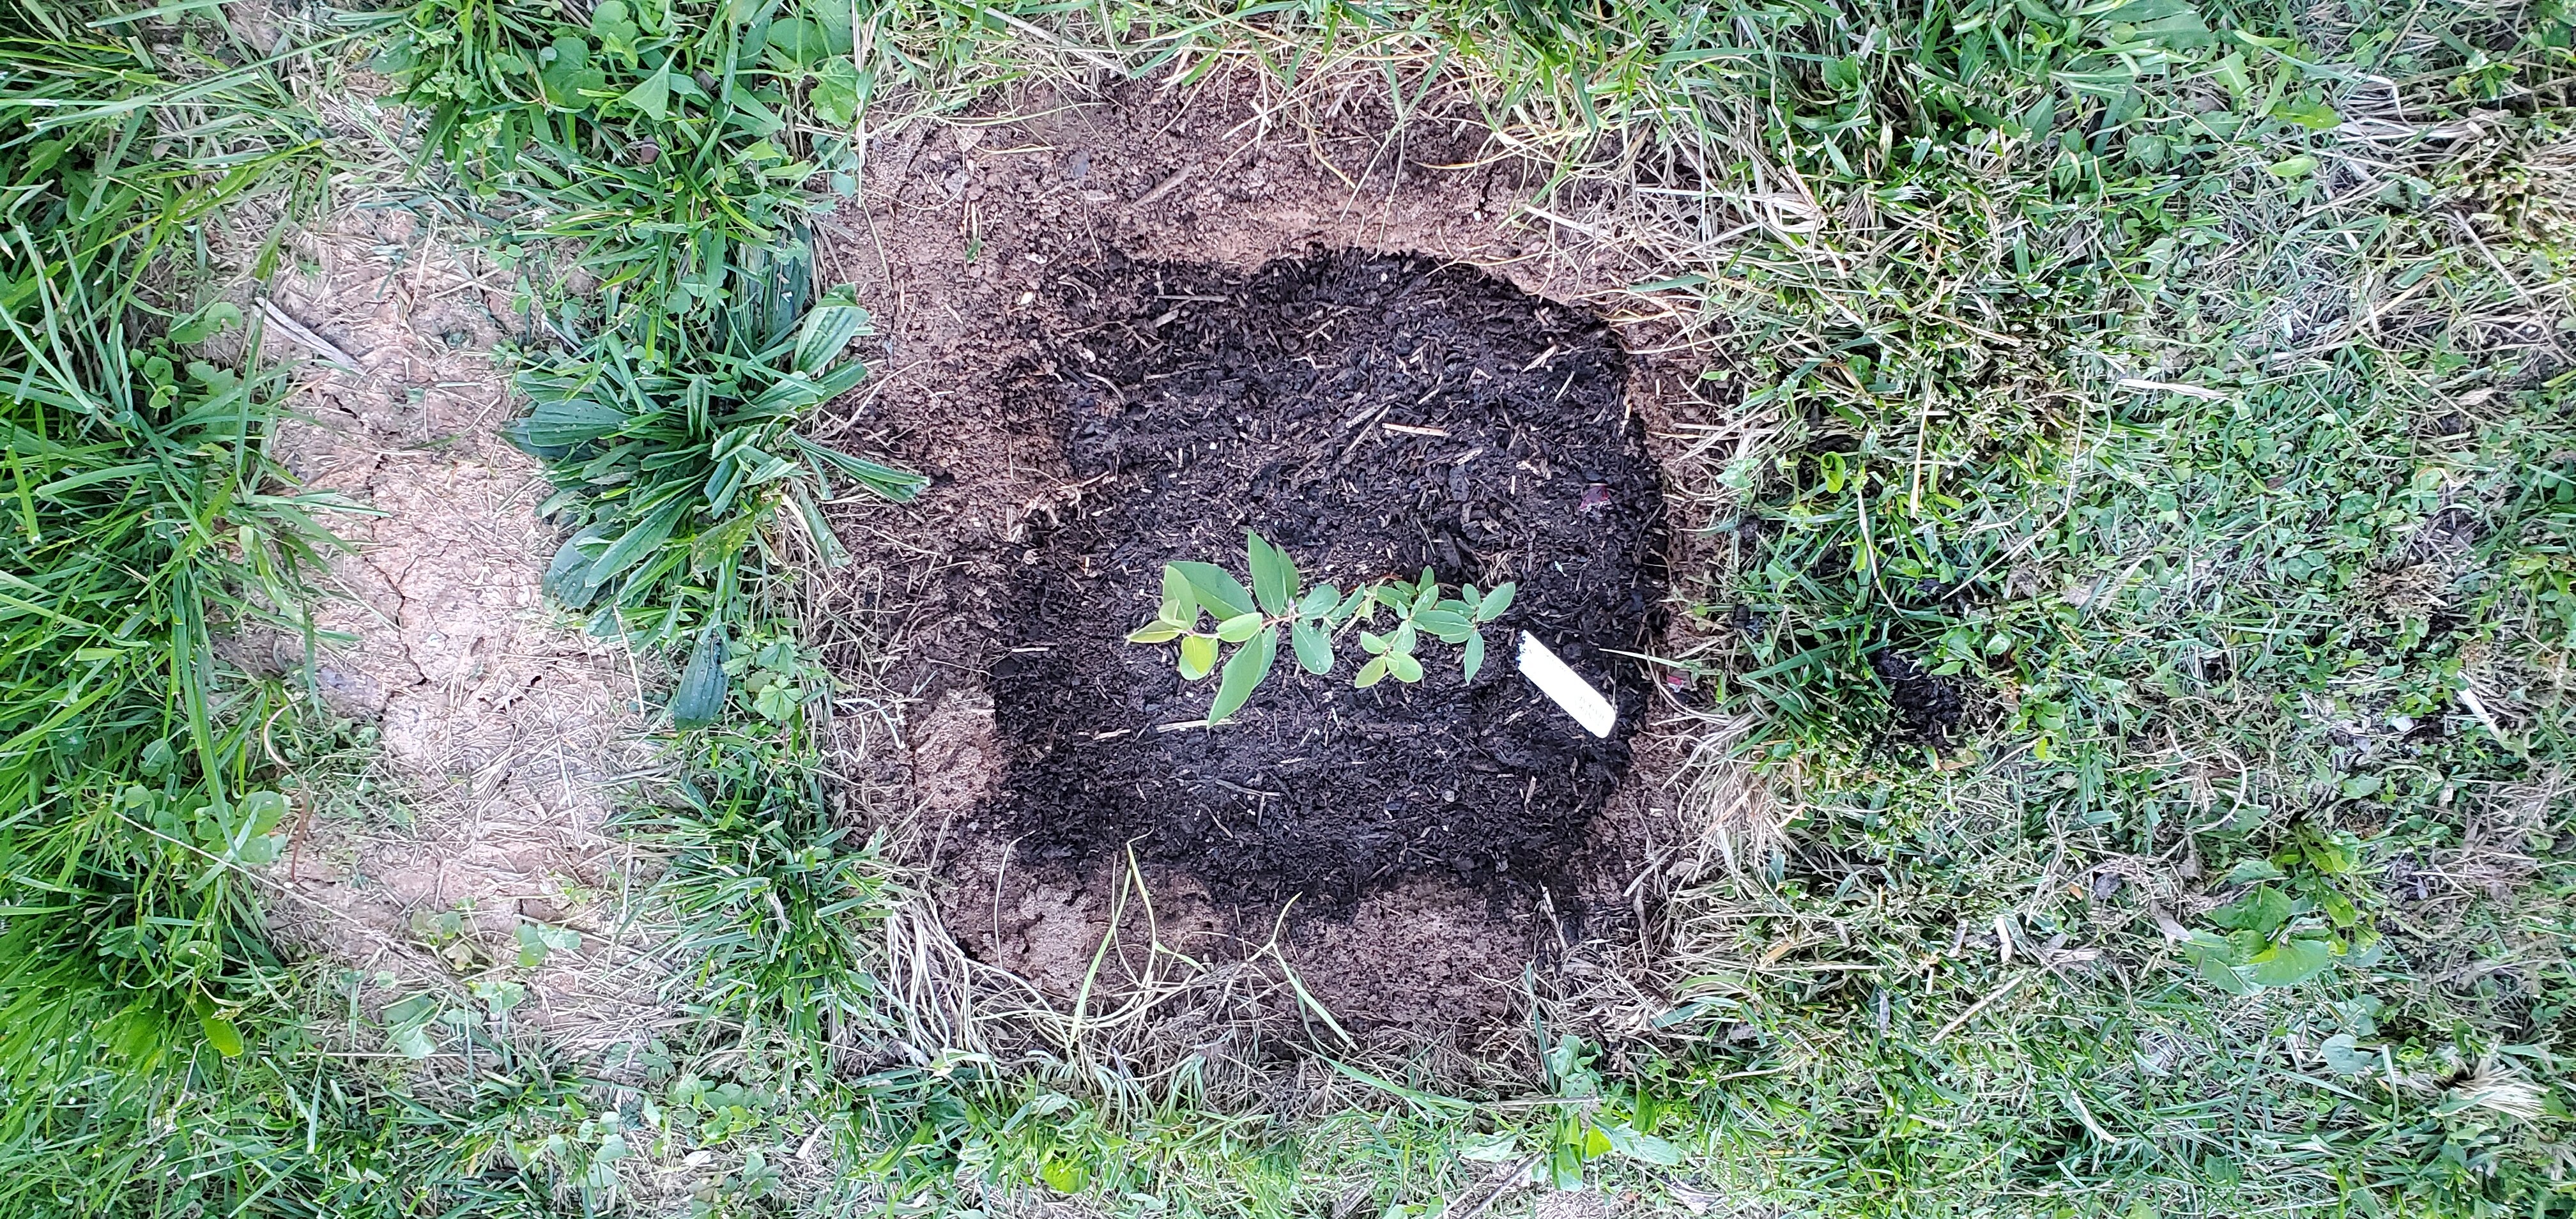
[{"x": 976, "y": 243}]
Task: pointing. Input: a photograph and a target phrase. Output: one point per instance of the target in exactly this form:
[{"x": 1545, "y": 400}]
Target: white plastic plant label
[{"x": 1567, "y": 687}]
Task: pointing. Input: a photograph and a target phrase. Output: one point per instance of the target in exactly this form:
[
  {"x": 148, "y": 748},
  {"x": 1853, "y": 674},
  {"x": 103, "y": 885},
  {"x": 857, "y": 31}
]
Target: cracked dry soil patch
[{"x": 502, "y": 731}]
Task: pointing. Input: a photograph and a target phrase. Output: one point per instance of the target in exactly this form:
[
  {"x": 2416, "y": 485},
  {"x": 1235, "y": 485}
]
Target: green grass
[
  {"x": 2284, "y": 650},
  {"x": 641, "y": 143},
  {"x": 777, "y": 908},
  {"x": 137, "y": 775}
]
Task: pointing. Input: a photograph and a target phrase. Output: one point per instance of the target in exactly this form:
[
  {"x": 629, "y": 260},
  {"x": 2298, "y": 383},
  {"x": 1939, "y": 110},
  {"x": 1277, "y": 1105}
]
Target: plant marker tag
[{"x": 1566, "y": 686}]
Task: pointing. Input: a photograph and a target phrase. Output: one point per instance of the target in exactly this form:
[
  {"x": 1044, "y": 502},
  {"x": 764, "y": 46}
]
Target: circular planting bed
[{"x": 1372, "y": 416}]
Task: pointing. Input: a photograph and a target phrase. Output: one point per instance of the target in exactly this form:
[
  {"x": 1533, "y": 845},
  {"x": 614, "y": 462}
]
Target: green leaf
[
  {"x": 700, "y": 698},
  {"x": 777, "y": 701},
  {"x": 713, "y": 546},
  {"x": 560, "y": 80},
  {"x": 1314, "y": 648},
  {"x": 2344, "y": 1055},
  {"x": 653, "y": 97},
  {"x": 1221, "y": 593},
  {"x": 616, "y": 28},
  {"x": 2173, "y": 23},
  {"x": 2299, "y": 166},
  {"x": 412, "y": 1040},
  {"x": 1404, "y": 666},
  {"x": 1495, "y": 602},
  {"x": 1179, "y": 604},
  {"x": 1473, "y": 658},
  {"x": 2308, "y": 112},
  {"x": 1450, "y": 627},
  {"x": 1372, "y": 642},
  {"x": 537, "y": 941},
  {"x": 2248, "y": 871},
  {"x": 1064, "y": 1176},
  {"x": 213, "y": 318},
  {"x": 2222, "y": 975},
  {"x": 1350, "y": 605},
  {"x": 2231, "y": 73},
  {"x": 1274, "y": 574},
  {"x": 222, "y": 1034},
  {"x": 816, "y": 528},
  {"x": 2334, "y": 855},
  {"x": 498, "y": 995},
  {"x": 2186, "y": 30},
  {"x": 1644, "y": 1148},
  {"x": 829, "y": 326},
  {"x": 1370, "y": 674},
  {"x": 532, "y": 947},
  {"x": 261, "y": 811},
  {"x": 754, "y": 119},
  {"x": 890, "y": 482},
  {"x": 2261, "y": 911},
  {"x": 798, "y": 43},
  {"x": 241, "y": 831},
  {"x": 1243, "y": 673},
  {"x": 1565, "y": 1167},
  {"x": 798, "y": 392},
  {"x": 638, "y": 542},
  {"x": 563, "y": 422},
  {"x": 1319, "y": 601},
  {"x": 839, "y": 93},
  {"x": 2338, "y": 908},
  {"x": 1497, "y": 1148},
  {"x": 2290, "y": 962},
  {"x": 1239, "y": 628},
  {"x": 1198, "y": 656},
  {"x": 1157, "y": 631}
]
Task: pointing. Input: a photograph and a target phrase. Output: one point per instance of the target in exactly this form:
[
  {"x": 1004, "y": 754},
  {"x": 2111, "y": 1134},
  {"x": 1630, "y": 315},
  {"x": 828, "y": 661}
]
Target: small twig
[
  {"x": 1169, "y": 185},
  {"x": 320, "y": 346},
  {"x": 1980, "y": 1005},
  {"x": 295, "y": 841},
  {"x": 2170, "y": 387},
  {"x": 1043, "y": 35},
  {"x": 1240, "y": 789},
  {"x": 1518, "y": 1176}
]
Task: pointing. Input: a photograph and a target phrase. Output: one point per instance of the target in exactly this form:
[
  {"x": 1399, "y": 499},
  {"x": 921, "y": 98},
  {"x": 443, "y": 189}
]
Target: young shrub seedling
[{"x": 1251, "y": 622}]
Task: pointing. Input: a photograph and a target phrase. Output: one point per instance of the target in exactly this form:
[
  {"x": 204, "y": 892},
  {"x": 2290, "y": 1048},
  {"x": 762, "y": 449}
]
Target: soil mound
[{"x": 1373, "y": 416}]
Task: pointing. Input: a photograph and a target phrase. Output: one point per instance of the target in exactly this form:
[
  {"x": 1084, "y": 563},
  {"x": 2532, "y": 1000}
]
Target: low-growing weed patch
[
  {"x": 674, "y": 457},
  {"x": 656, "y": 137}
]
